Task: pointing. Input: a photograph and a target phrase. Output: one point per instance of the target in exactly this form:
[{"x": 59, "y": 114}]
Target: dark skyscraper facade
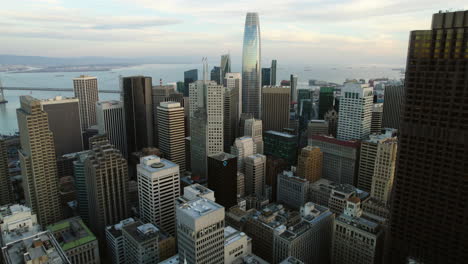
[
  {"x": 251, "y": 68},
  {"x": 266, "y": 76},
  {"x": 190, "y": 76},
  {"x": 138, "y": 105},
  {"x": 273, "y": 73},
  {"x": 326, "y": 99},
  {"x": 215, "y": 74},
  {"x": 429, "y": 210},
  {"x": 225, "y": 66},
  {"x": 222, "y": 178},
  {"x": 393, "y": 101}
]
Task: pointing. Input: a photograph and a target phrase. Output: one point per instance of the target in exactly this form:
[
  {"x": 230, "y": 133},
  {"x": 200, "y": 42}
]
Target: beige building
[
  {"x": 171, "y": 132},
  {"x": 253, "y": 129},
  {"x": 255, "y": 170},
  {"x": 236, "y": 244},
  {"x": 86, "y": 90},
  {"x": 376, "y": 120},
  {"x": 309, "y": 164},
  {"x": 275, "y": 107},
  {"x": 38, "y": 162}
]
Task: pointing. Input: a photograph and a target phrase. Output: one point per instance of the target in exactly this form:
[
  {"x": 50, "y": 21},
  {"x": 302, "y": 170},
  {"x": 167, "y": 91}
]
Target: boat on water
[{"x": 59, "y": 75}]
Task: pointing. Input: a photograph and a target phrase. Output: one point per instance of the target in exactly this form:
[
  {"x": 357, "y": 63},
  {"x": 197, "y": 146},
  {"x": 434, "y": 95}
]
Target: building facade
[
  {"x": 115, "y": 241},
  {"x": 309, "y": 163},
  {"x": 392, "y": 105},
  {"x": 110, "y": 117},
  {"x": 232, "y": 108},
  {"x": 86, "y": 90},
  {"x": 275, "y": 107},
  {"x": 222, "y": 178},
  {"x": 281, "y": 145},
  {"x": 292, "y": 191},
  {"x": 141, "y": 243},
  {"x": 255, "y": 169},
  {"x": 254, "y": 129},
  {"x": 376, "y": 119}
]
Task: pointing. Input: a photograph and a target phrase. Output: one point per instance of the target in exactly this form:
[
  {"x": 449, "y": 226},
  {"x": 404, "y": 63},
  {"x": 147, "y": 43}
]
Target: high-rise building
[
  {"x": 81, "y": 188},
  {"x": 6, "y": 195},
  {"x": 273, "y": 73},
  {"x": 115, "y": 241},
  {"x": 339, "y": 158},
  {"x": 78, "y": 242},
  {"x": 355, "y": 238},
  {"x": 138, "y": 103},
  {"x": 317, "y": 127},
  {"x": 163, "y": 93},
  {"x": 255, "y": 170},
  {"x": 107, "y": 183},
  {"x": 292, "y": 191},
  {"x": 266, "y": 76},
  {"x": 225, "y": 66},
  {"x": 215, "y": 75},
  {"x": 309, "y": 163},
  {"x": 273, "y": 168},
  {"x": 281, "y": 145},
  {"x": 63, "y": 115},
  {"x": 377, "y": 165},
  {"x": 275, "y": 108},
  {"x": 294, "y": 80},
  {"x": 38, "y": 161},
  {"x": 222, "y": 178},
  {"x": 204, "y": 218},
  {"x": 326, "y": 100},
  {"x": 392, "y": 105},
  {"x": 376, "y": 119},
  {"x": 232, "y": 108},
  {"x": 242, "y": 148},
  {"x": 190, "y": 76},
  {"x": 158, "y": 189},
  {"x": 171, "y": 133},
  {"x": 253, "y": 128},
  {"x": 110, "y": 117},
  {"x": 331, "y": 117},
  {"x": 431, "y": 174},
  {"x": 86, "y": 90},
  {"x": 355, "y": 111},
  {"x": 206, "y": 124},
  {"x": 251, "y": 68},
  {"x": 141, "y": 243}
]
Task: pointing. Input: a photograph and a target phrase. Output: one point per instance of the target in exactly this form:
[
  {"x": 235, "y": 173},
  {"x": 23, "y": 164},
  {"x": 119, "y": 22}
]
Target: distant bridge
[{"x": 51, "y": 89}]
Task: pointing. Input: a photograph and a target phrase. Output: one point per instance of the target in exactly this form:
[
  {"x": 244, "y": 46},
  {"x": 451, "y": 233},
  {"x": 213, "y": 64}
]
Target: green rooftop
[{"x": 68, "y": 241}]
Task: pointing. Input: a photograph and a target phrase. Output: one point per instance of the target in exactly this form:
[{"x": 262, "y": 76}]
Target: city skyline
[{"x": 319, "y": 31}]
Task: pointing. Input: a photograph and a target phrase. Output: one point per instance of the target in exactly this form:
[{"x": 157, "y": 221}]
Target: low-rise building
[
  {"x": 115, "y": 241},
  {"x": 292, "y": 191},
  {"x": 141, "y": 243},
  {"x": 17, "y": 222},
  {"x": 236, "y": 244}
]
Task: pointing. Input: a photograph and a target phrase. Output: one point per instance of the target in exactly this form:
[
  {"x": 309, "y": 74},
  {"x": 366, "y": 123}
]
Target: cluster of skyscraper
[{"x": 238, "y": 170}]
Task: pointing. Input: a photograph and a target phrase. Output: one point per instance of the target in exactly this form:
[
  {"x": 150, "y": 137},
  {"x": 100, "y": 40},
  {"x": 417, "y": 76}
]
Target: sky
[{"x": 360, "y": 32}]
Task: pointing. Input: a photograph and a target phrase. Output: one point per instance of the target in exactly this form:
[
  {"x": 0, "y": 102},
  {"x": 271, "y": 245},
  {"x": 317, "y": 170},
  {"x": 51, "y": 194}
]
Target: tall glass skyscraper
[
  {"x": 225, "y": 66},
  {"x": 251, "y": 68}
]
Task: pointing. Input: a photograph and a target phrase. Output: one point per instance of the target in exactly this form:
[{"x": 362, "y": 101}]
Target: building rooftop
[
  {"x": 222, "y": 156},
  {"x": 109, "y": 103},
  {"x": 281, "y": 134},
  {"x": 71, "y": 233},
  {"x": 232, "y": 235},
  {"x": 199, "y": 207},
  {"x": 17, "y": 222},
  {"x": 332, "y": 140},
  {"x": 39, "y": 248},
  {"x": 59, "y": 100},
  {"x": 172, "y": 260},
  {"x": 291, "y": 260},
  {"x": 250, "y": 259},
  {"x": 141, "y": 232},
  {"x": 361, "y": 223},
  {"x": 154, "y": 163},
  {"x": 196, "y": 190},
  {"x": 292, "y": 177},
  {"x": 169, "y": 104},
  {"x": 116, "y": 230}
]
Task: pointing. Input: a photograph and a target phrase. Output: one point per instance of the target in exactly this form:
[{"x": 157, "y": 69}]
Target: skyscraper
[
  {"x": 141, "y": 243},
  {"x": 326, "y": 100},
  {"x": 225, "y": 66},
  {"x": 222, "y": 178},
  {"x": 393, "y": 102},
  {"x": 255, "y": 170},
  {"x": 294, "y": 80},
  {"x": 38, "y": 161},
  {"x": 431, "y": 174},
  {"x": 138, "y": 112},
  {"x": 251, "y": 68},
  {"x": 266, "y": 76},
  {"x": 86, "y": 90},
  {"x": 163, "y": 93},
  {"x": 111, "y": 121},
  {"x": 190, "y": 76},
  {"x": 355, "y": 111},
  {"x": 275, "y": 107},
  {"x": 232, "y": 108},
  {"x": 273, "y": 73},
  {"x": 171, "y": 133},
  {"x": 6, "y": 194},
  {"x": 253, "y": 128},
  {"x": 242, "y": 148},
  {"x": 216, "y": 75},
  {"x": 376, "y": 119},
  {"x": 64, "y": 122},
  {"x": 281, "y": 145},
  {"x": 309, "y": 164},
  {"x": 158, "y": 189}
]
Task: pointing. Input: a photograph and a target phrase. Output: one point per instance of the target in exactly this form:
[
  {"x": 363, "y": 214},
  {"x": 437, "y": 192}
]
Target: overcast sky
[{"x": 294, "y": 31}]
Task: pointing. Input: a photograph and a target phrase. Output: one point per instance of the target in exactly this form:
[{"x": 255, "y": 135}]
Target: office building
[
  {"x": 309, "y": 163},
  {"x": 196, "y": 190},
  {"x": 392, "y": 105},
  {"x": 63, "y": 115},
  {"x": 377, "y": 165},
  {"x": 225, "y": 66},
  {"x": 158, "y": 188},
  {"x": 251, "y": 68},
  {"x": 216, "y": 75},
  {"x": 376, "y": 118},
  {"x": 340, "y": 158},
  {"x": 110, "y": 117},
  {"x": 236, "y": 244},
  {"x": 38, "y": 161},
  {"x": 433, "y": 150},
  {"x": 242, "y": 148},
  {"x": 331, "y": 117},
  {"x": 355, "y": 111},
  {"x": 255, "y": 169},
  {"x": 355, "y": 238},
  {"x": 171, "y": 133},
  {"x": 16, "y": 223},
  {"x": 190, "y": 76},
  {"x": 206, "y": 124},
  {"x": 38, "y": 248},
  {"x": 141, "y": 243},
  {"x": 266, "y": 77},
  {"x": 273, "y": 168},
  {"x": 138, "y": 103},
  {"x": 115, "y": 241},
  {"x": 293, "y": 84},
  {"x": 222, "y": 178},
  {"x": 326, "y": 100},
  {"x": 204, "y": 218},
  {"x": 292, "y": 191},
  {"x": 77, "y": 241},
  {"x": 81, "y": 188},
  {"x": 254, "y": 129},
  {"x": 308, "y": 241},
  {"x": 275, "y": 108},
  {"x": 232, "y": 108},
  {"x": 317, "y": 127},
  {"x": 273, "y": 72},
  {"x": 86, "y": 90},
  {"x": 281, "y": 145},
  {"x": 107, "y": 185},
  {"x": 6, "y": 195}
]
